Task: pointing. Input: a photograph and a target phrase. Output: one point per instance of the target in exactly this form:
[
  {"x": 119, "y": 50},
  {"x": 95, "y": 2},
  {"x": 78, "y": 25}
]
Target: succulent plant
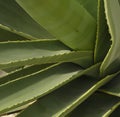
[{"x": 60, "y": 58}]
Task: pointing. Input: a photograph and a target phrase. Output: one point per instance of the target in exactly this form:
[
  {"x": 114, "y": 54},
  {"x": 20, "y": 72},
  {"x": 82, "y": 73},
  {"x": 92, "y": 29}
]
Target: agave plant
[{"x": 60, "y": 58}]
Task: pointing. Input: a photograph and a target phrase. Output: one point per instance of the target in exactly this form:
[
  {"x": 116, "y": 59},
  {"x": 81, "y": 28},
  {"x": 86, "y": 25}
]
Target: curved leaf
[
  {"x": 29, "y": 88},
  {"x": 102, "y": 44},
  {"x": 67, "y": 20},
  {"x": 112, "y": 61},
  {"x": 14, "y": 19},
  {"x": 40, "y": 52},
  {"x": 64, "y": 100}
]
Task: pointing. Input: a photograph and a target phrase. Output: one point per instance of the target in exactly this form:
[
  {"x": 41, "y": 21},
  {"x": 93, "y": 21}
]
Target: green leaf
[
  {"x": 90, "y": 6},
  {"x": 32, "y": 87},
  {"x": 103, "y": 37},
  {"x": 67, "y": 20},
  {"x": 40, "y": 52},
  {"x": 22, "y": 72},
  {"x": 113, "y": 87},
  {"x": 14, "y": 19},
  {"x": 112, "y": 61},
  {"x": 9, "y": 36},
  {"x": 64, "y": 100},
  {"x": 98, "y": 105}
]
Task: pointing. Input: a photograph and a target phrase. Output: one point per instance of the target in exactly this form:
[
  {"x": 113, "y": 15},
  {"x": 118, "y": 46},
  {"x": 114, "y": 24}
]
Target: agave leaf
[
  {"x": 64, "y": 100},
  {"x": 90, "y": 6},
  {"x": 113, "y": 87},
  {"x": 14, "y": 19},
  {"x": 12, "y": 69},
  {"x": 16, "y": 111},
  {"x": 8, "y": 36},
  {"x": 29, "y": 88},
  {"x": 103, "y": 37},
  {"x": 10, "y": 77},
  {"x": 22, "y": 72},
  {"x": 39, "y": 52},
  {"x": 112, "y": 60},
  {"x": 98, "y": 105},
  {"x": 35, "y": 69},
  {"x": 67, "y": 20}
]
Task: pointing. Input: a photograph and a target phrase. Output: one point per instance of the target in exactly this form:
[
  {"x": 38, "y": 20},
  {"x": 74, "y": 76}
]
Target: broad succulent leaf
[
  {"x": 59, "y": 58},
  {"x": 62, "y": 24},
  {"x": 58, "y": 105},
  {"x": 40, "y": 52},
  {"x": 47, "y": 81}
]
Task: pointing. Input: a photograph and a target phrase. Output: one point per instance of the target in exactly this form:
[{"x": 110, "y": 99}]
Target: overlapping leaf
[
  {"x": 39, "y": 52},
  {"x": 65, "y": 20},
  {"x": 113, "y": 87},
  {"x": 112, "y": 61},
  {"x": 103, "y": 37},
  {"x": 26, "y": 89},
  {"x": 14, "y": 19},
  {"x": 58, "y": 88},
  {"x": 9, "y": 36},
  {"x": 98, "y": 105},
  {"x": 62, "y": 102},
  {"x": 14, "y": 75},
  {"x": 90, "y": 6}
]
